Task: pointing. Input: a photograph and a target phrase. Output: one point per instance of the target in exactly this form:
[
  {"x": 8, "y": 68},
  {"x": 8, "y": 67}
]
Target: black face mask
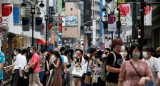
[{"x": 106, "y": 53}]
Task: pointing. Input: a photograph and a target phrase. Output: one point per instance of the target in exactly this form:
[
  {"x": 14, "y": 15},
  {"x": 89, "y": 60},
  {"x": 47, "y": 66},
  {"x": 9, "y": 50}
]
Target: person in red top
[{"x": 34, "y": 77}]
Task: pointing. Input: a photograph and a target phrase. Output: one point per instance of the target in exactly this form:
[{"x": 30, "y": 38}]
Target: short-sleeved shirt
[
  {"x": 20, "y": 62},
  {"x": 35, "y": 58},
  {"x": 62, "y": 63},
  {"x": 153, "y": 64},
  {"x": 2, "y": 60},
  {"x": 129, "y": 74},
  {"x": 113, "y": 77}
]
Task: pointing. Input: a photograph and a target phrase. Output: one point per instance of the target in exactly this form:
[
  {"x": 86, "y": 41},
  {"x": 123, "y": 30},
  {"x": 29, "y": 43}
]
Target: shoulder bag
[
  {"x": 31, "y": 70},
  {"x": 135, "y": 69},
  {"x": 77, "y": 71}
]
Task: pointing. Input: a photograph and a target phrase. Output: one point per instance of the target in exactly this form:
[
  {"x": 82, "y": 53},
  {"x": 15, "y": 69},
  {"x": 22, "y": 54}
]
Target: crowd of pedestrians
[{"x": 119, "y": 66}]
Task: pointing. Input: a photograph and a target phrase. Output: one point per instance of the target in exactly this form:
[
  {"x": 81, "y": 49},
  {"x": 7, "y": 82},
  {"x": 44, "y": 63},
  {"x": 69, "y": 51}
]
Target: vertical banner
[
  {"x": 38, "y": 24},
  {"x": 148, "y": 15},
  {"x": 25, "y": 23},
  {"x": 125, "y": 15},
  {"x": 7, "y": 15},
  {"x": 60, "y": 6},
  {"x": 60, "y": 24},
  {"x": 94, "y": 32},
  {"x": 101, "y": 23},
  {"x": 112, "y": 24}
]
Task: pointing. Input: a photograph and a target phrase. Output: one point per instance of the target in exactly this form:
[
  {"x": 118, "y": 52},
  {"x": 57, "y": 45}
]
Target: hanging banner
[
  {"x": 112, "y": 24},
  {"x": 148, "y": 15},
  {"x": 7, "y": 15},
  {"x": 125, "y": 15}
]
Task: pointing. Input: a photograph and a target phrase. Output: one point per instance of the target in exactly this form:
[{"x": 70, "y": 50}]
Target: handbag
[
  {"x": 94, "y": 78},
  {"x": 77, "y": 71},
  {"x": 31, "y": 70},
  {"x": 87, "y": 79}
]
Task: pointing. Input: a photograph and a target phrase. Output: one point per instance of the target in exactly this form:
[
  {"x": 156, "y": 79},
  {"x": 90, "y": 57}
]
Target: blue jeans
[
  {"x": 149, "y": 83},
  {"x": 41, "y": 74}
]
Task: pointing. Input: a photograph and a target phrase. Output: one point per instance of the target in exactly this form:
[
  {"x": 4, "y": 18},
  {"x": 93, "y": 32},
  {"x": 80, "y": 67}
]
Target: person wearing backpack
[
  {"x": 113, "y": 63},
  {"x": 103, "y": 65}
]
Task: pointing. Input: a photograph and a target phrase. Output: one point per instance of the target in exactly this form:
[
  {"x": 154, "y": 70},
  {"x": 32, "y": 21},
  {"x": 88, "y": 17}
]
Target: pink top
[
  {"x": 130, "y": 76},
  {"x": 35, "y": 58}
]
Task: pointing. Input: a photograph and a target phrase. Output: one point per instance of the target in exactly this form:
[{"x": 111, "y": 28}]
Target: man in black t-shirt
[{"x": 113, "y": 63}]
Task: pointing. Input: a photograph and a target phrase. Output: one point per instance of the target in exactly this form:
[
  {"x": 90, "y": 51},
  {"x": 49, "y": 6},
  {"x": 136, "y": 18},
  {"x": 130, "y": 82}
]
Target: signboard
[
  {"x": 16, "y": 15},
  {"x": 148, "y": 15},
  {"x": 7, "y": 15},
  {"x": 125, "y": 16},
  {"x": 112, "y": 25},
  {"x": 71, "y": 21}
]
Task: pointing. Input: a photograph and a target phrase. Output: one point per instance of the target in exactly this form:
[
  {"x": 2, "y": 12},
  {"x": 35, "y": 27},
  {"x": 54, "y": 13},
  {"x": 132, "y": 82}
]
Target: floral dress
[{"x": 130, "y": 76}]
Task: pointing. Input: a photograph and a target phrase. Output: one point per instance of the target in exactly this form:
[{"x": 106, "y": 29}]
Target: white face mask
[
  {"x": 136, "y": 55},
  {"x": 15, "y": 53},
  {"x": 145, "y": 55},
  {"x": 122, "y": 48},
  {"x": 124, "y": 54}
]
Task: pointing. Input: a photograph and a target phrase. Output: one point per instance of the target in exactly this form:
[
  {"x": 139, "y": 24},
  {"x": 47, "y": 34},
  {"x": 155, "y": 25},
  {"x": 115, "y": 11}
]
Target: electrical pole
[
  {"x": 134, "y": 20},
  {"x": 119, "y": 22},
  {"x": 142, "y": 22}
]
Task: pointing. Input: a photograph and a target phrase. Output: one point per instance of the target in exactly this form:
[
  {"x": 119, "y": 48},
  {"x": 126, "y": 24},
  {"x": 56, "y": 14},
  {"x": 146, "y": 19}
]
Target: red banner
[{"x": 60, "y": 24}]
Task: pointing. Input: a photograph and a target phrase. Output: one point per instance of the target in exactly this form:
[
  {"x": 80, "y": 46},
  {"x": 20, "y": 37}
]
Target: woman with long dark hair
[
  {"x": 57, "y": 78},
  {"x": 46, "y": 70},
  {"x": 135, "y": 72}
]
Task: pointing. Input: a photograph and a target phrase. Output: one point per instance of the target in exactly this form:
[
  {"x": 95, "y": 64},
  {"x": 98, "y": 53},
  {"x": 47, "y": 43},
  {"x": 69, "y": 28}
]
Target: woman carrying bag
[
  {"x": 77, "y": 70},
  {"x": 135, "y": 72}
]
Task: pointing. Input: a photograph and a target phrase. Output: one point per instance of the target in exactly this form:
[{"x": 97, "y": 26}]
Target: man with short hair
[
  {"x": 153, "y": 64},
  {"x": 34, "y": 77},
  {"x": 18, "y": 68},
  {"x": 113, "y": 63}
]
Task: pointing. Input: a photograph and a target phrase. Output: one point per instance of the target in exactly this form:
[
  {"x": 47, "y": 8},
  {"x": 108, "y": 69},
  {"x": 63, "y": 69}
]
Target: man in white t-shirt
[
  {"x": 19, "y": 67},
  {"x": 152, "y": 62}
]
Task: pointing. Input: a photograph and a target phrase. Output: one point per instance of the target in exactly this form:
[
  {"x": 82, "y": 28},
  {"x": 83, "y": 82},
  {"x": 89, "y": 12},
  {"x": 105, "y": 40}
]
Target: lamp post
[
  {"x": 46, "y": 18},
  {"x": 33, "y": 12},
  {"x": 112, "y": 13}
]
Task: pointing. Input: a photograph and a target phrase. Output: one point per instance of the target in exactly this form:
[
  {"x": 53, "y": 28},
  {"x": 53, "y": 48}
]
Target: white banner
[
  {"x": 148, "y": 16},
  {"x": 125, "y": 15},
  {"x": 112, "y": 24},
  {"x": 94, "y": 31}
]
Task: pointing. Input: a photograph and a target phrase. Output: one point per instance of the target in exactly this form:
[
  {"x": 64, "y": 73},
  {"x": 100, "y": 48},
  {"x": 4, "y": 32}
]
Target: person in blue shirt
[{"x": 2, "y": 60}]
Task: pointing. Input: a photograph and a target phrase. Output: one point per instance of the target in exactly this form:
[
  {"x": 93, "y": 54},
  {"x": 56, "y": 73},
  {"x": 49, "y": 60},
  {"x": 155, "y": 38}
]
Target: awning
[{"x": 42, "y": 42}]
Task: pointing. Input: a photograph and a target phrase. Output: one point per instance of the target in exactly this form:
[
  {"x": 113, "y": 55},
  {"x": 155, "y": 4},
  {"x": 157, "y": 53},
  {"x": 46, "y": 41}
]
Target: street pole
[
  {"x": 46, "y": 18},
  {"x": 134, "y": 19},
  {"x": 142, "y": 22},
  {"x": 32, "y": 12},
  {"x": 119, "y": 22}
]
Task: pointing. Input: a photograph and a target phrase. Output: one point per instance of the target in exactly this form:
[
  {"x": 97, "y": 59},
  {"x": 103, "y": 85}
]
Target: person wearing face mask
[
  {"x": 135, "y": 72},
  {"x": 107, "y": 51},
  {"x": 158, "y": 55},
  {"x": 113, "y": 63},
  {"x": 152, "y": 62},
  {"x": 125, "y": 54}
]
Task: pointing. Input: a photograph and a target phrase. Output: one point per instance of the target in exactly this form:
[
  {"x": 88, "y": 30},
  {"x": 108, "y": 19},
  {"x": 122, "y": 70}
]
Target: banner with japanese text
[{"x": 125, "y": 16}]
